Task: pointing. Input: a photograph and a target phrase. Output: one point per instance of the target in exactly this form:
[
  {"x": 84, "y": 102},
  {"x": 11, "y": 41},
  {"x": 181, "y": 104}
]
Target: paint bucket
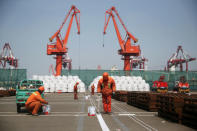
[
  {"x": 46, "y": 109},
  {"x": 91, "y": 111},
  {"x": 86, "y": 97}
]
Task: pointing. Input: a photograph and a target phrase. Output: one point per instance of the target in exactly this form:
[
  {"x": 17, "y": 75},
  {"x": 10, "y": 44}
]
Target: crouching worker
[
  {"x": 106, "y": 86},
  {"x": 35, "y": 101}
]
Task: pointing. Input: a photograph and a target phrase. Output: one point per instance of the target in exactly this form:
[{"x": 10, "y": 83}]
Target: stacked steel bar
[
  {"x": 120, "y": 96},
  {"x": 144, "y": 100},
  {"x": 170, "y": 106},
  {"x": 132, "y": 98},
  {"x": 11, "y": 92},
  {"x": 189, "y": 116},
  {"x": 4, "y": 93}
]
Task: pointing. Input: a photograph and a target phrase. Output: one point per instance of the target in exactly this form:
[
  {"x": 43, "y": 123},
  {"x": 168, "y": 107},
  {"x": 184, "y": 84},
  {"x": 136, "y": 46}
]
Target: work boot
[
  {"x": 109, "y": 113},
  {"x": 35, "y": 115}
]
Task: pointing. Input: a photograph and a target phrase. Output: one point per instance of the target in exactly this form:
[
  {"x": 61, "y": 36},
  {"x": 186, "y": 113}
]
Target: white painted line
[
  {"x": 7, "y": 112},
  {"x": 133, "y": 115},
  {"x": 126, "y": 114},
  {"x": 102, "y": 123},
  {"x": 8, "y": 103},
  {"x": 69, "y": 112},
  {"x": 53, "y": 103},
  {"x": 6, "y": 99},
  {"x": 145, "y": 115},
  {"x": 50, "y": 115},
  {"x": 140, "y": 122},
  {"x": 136, "y": 112},
  {"x": 51, "y": 112}
]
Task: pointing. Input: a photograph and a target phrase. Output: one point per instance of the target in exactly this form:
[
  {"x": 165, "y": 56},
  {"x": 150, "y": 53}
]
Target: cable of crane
[
  {"x": 103, "y": 41},
  {"x": 79, "y": 52}
]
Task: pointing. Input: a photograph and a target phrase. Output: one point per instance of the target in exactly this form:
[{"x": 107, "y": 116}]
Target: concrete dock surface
[{"x": 68, "y": 114}]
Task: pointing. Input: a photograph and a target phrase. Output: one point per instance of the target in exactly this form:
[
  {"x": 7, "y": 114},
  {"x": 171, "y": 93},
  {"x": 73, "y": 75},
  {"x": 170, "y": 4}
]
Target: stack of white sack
[
  {"x": 125, "y": 83},
  {"x": 60, "y": 83}
]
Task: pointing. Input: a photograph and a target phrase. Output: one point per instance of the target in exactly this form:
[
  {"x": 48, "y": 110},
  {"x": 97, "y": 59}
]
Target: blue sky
[{"x": 160, "y": 26}]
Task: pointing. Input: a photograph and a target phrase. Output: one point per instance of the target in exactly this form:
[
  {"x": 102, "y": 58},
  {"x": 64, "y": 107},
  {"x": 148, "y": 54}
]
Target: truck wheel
[{"x": 18, "y": 108}]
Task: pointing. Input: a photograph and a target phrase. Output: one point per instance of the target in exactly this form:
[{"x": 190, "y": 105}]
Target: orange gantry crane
[
  {"x": 59, "y": 48},
  {"x": 127, "y": 49}
]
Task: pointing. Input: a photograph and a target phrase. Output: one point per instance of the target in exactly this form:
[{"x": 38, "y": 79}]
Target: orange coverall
[
  {"x": 34, "y": 102},
  {"x": 106, "y": 88},
  {"x": 75, "y": 91},
  {"x": 92, "y": 89}
]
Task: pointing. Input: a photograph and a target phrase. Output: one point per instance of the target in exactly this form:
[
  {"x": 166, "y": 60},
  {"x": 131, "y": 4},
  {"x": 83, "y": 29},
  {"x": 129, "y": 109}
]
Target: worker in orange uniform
[
  {"x": 106, "y": 86},
  {"x": 92, "y": 87},
  {"x": 75, "y": 91},
  {"x": 35, "y": 101}
]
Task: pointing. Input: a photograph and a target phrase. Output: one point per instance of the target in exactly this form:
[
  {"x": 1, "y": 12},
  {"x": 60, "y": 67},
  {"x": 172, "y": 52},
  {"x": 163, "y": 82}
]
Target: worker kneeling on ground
[
  {"x": 75, "y": 91},
  {"x": 106, "y": 86},
  {"x": 183, "y": 85},
  {"x": 35, "y": 101},
  {"x": 160, "y": 86},
  {"x": 92, "y": 87}
]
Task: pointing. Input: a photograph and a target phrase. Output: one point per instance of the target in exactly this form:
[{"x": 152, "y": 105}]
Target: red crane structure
[
  {"x": 59, "y": 48},
  {"x": 127, "y": 49},
  {"x": 139, "y": 61},
  {"x": 177, "y": 59},
  {"x": 7, "y": 56}
]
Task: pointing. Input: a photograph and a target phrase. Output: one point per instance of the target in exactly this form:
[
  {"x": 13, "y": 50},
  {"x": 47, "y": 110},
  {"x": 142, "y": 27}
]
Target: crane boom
[
  {"x": 127, "y": 49},
  {"x": 177, "y": 59},
  {"x": 59, "y": 47}
]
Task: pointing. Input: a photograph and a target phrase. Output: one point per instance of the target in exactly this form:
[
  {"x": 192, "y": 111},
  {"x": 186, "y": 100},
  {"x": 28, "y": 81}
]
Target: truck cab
[{"x": 24, "y": 89}]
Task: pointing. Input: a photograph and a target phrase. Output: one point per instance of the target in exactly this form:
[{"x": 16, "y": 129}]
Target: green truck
[{"x": 24, "y": 89}]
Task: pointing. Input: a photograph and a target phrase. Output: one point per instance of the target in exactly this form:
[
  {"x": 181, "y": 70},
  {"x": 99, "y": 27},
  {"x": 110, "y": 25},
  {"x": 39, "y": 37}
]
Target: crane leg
[
  {"x": 187, "y": 66},
  {"x": 181, "y": 67},
  {"x": 58, "y": 65},
  {"x": 127, "y": 63}
]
